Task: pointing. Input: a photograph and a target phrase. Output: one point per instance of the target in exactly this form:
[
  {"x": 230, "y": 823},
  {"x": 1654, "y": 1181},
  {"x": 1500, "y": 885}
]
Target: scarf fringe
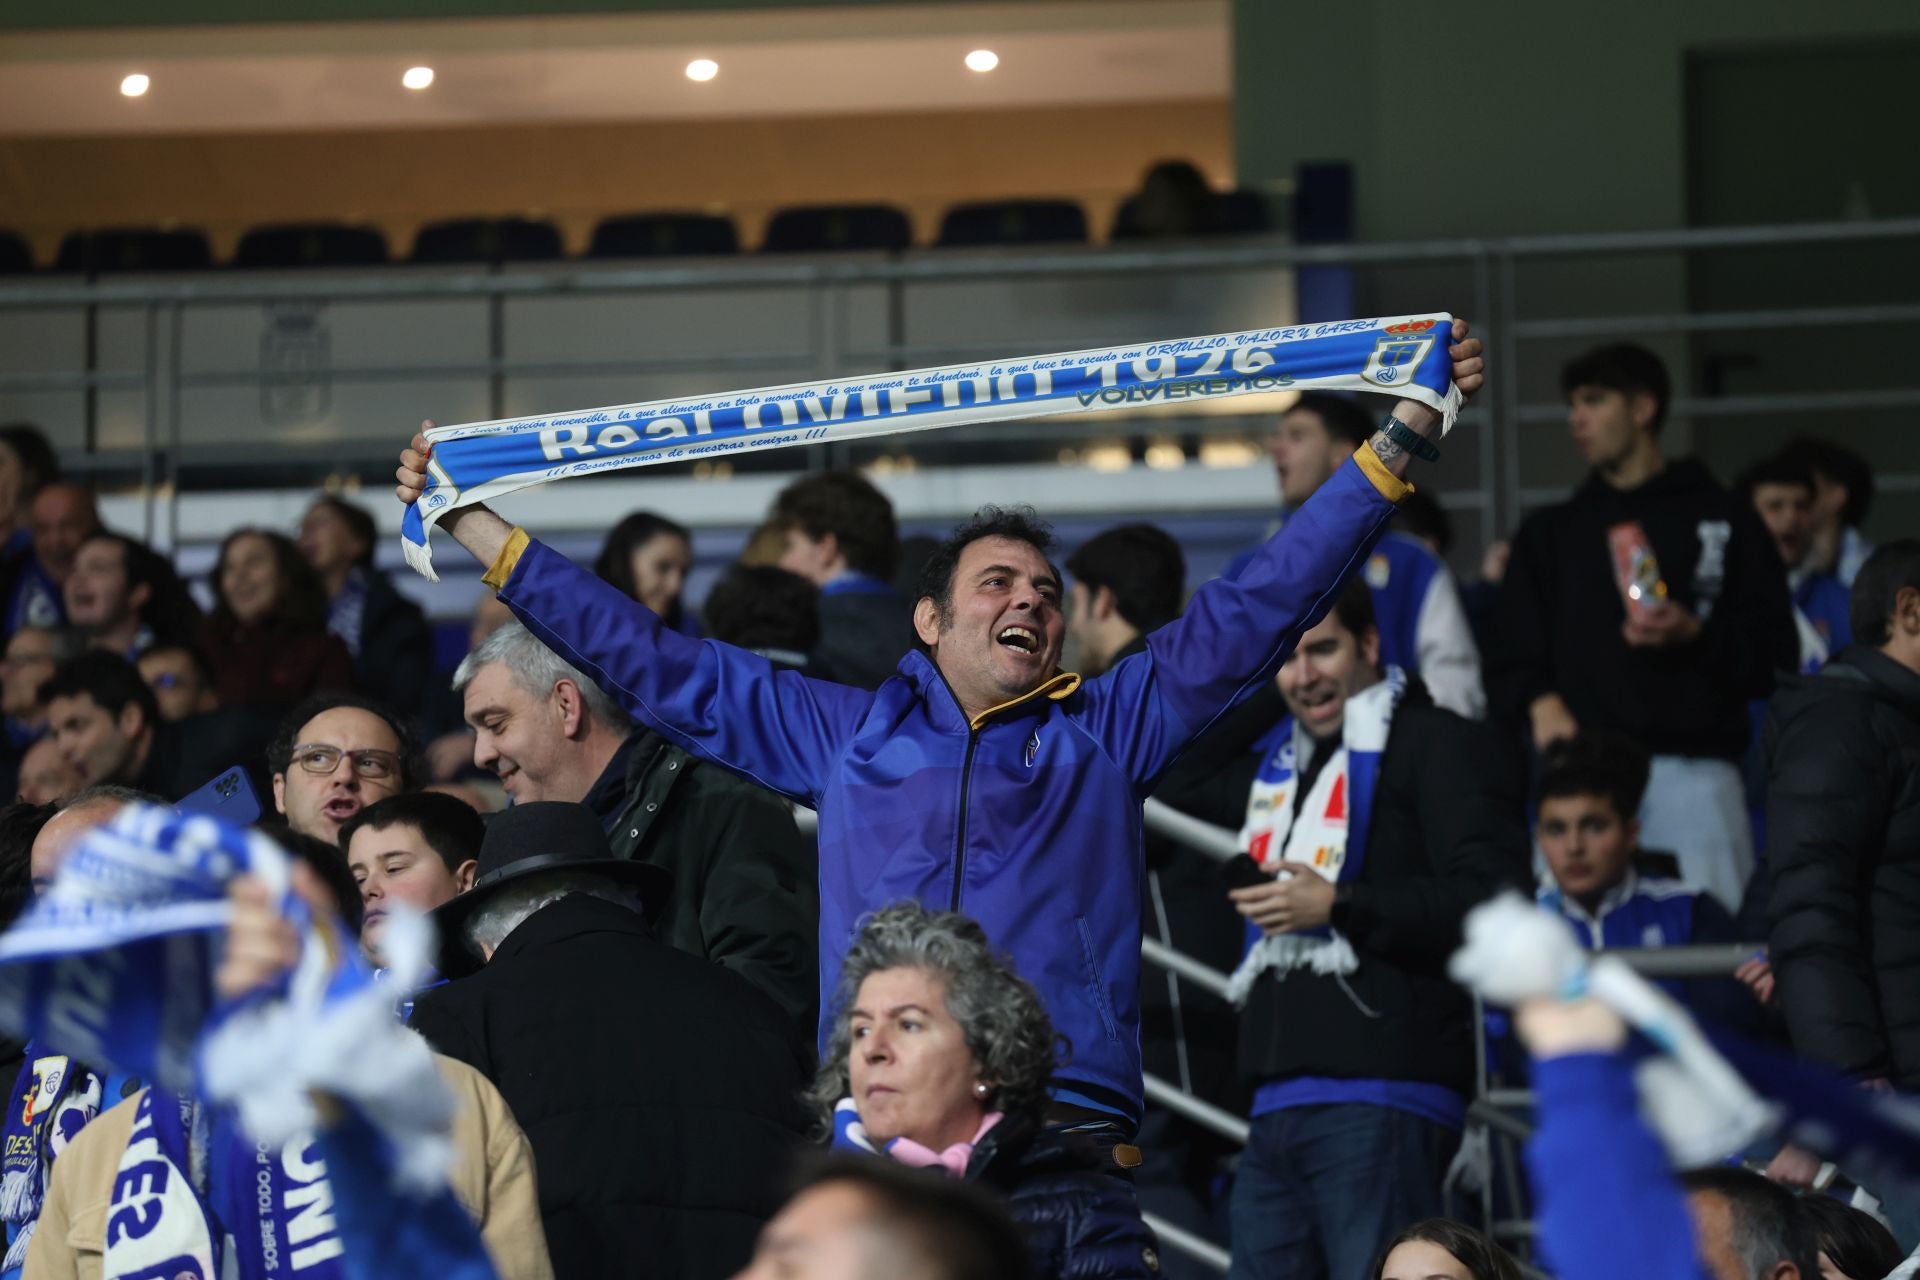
[
  {"x": 1283, "y": 953},
  {"x": 268, "y": 1060},
  {"x": 16, "y": 1196}
]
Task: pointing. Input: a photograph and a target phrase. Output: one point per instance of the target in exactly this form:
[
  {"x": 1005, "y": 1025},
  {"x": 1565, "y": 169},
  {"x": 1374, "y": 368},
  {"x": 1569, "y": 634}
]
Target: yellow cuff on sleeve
[
  {"x": 1391, "y": 487},
  {"x": 502, "y": 567}
]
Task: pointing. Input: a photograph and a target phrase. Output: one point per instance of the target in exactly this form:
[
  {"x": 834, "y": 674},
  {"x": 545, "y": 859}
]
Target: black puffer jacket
[
  {"x": 1081, "y": 1222},
  {"x": 1843, "y": 810}
]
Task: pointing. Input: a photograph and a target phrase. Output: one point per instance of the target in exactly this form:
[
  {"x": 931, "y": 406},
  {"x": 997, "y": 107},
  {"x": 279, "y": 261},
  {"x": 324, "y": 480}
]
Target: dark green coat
[{"x": 745, "y": 883}]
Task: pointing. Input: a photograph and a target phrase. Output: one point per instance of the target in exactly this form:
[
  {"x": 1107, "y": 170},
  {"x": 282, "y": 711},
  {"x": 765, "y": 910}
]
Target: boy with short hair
[
  {"x": 1588, "y": 795},
  {"x": 419, "y": 847}
]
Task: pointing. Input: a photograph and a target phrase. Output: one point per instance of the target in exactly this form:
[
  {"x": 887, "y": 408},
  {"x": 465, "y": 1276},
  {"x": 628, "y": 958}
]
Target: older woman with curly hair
[{"x": 940, "y": 1056}]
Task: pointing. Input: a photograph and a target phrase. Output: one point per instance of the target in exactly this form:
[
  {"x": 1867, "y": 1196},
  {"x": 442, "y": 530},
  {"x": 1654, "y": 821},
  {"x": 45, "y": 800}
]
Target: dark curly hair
[
  {"x": 1021, "y": 524},
  {"x": 999, "y": 1012}
]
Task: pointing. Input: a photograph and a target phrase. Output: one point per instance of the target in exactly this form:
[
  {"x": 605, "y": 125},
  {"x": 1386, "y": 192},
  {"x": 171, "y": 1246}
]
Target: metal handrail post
[
  {"x": 1199, "y": 1248},
  {"x": 1159, "y": 953},
  {"x": 1203, "y": 837},
  {"x": 1198, "y": 1110}
]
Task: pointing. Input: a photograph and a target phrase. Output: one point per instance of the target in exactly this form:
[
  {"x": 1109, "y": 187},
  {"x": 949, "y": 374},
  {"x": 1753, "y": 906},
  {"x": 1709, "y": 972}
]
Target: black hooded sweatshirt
[{"x": 1557, "y": 628}]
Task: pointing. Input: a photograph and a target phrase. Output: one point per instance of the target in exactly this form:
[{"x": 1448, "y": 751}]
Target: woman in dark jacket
[
  {"x": 940, "y": 1056},
  {"x": 267, "y": 636},
  {"x": 386, "y": 633}
]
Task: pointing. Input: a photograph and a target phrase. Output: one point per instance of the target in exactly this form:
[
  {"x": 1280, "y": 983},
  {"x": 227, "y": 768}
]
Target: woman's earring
[{"x": 981, "y": 1089}]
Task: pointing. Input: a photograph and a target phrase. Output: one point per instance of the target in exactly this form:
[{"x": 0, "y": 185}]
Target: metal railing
[{"x": 1487, "y": 273}]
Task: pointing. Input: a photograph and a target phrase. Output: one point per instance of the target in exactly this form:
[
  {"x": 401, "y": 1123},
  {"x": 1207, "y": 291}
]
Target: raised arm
[
  {"x": 723, "y": 704},
  {"x": 1235, "y": 634}
]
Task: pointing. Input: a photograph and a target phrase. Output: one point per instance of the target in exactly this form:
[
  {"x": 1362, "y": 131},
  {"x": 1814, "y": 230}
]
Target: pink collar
[{"x": 954, "y": 1159}]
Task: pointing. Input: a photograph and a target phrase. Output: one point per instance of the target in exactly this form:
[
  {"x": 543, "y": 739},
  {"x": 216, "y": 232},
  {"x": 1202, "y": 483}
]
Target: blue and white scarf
[
  {"x": 1399, "y": 355},
  {"x": 1706, "y": 1093},
  {"x": 113, "y": 965},
  {"x": 53, "y": 1099},
  {"x": 1328, "y": 837}
]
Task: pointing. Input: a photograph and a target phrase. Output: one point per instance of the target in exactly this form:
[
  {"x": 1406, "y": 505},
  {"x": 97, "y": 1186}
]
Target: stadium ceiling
[{"x": 869, "y": 59}]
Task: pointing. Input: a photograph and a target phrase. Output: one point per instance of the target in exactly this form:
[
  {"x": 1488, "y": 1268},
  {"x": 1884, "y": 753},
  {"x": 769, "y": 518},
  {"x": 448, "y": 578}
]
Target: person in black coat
[
  {"x": 1376, "y": 822},
  {"x": 1843, "y": 809},
  {"x": 940, "y": 1056},
  {"x": 386, "y": 633},
  {"x": 658, "y": 1089}
]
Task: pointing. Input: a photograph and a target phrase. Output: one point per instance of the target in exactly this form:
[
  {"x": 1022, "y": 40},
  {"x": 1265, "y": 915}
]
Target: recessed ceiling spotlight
[
  {"x": 135, "y": 85},
  {"x": 417, "y": 77},
  {"x": 702, "y": 69},
  {"x": 982, "y": 60}
]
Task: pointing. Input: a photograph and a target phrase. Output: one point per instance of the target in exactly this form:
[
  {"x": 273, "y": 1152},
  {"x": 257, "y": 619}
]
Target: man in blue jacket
[{"x": 980, "y": 777}]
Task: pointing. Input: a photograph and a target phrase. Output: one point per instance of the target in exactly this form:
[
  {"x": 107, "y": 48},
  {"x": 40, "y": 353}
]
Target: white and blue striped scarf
[
  {"x": 1398, "y": 355},
  {"x": 113, "y": 965}
]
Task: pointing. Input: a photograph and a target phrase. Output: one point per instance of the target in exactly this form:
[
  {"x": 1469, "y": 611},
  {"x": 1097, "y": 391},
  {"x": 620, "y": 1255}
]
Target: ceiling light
[
  {"x": 417, "y": 77},
  {"x": 702, "y": 69},
  {"x": 135, "y": 85},
  {"x": 982, "y": 60}
]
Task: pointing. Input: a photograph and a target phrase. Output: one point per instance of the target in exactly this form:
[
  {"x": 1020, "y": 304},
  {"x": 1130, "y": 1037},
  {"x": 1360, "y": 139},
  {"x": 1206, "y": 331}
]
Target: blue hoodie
[{"x": 1027, "y": 818}]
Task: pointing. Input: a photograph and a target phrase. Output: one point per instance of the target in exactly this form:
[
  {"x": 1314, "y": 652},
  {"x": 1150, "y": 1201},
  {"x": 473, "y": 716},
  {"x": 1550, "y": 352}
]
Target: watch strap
[{"x": 1409, "y": 439}]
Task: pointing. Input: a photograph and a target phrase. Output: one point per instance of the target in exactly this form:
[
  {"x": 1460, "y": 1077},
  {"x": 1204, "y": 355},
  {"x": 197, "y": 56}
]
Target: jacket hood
[{"x": 1860, "y": 671}]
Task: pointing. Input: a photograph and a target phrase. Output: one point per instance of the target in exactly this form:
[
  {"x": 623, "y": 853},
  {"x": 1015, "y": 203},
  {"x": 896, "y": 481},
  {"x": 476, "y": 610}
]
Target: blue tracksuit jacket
[
  {"x": 1028, "y": 818},
  {"x": 1606, "y": 1203}
]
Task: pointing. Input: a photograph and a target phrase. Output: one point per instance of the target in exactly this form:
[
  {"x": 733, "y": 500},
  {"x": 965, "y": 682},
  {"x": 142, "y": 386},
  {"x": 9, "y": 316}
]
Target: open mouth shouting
[
  {"x": 340, "y": 808},
  {"x": 1019, "y": 639}
]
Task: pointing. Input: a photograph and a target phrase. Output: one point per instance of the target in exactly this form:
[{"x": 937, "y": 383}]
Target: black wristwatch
[{"x": 1409, "y": 439}]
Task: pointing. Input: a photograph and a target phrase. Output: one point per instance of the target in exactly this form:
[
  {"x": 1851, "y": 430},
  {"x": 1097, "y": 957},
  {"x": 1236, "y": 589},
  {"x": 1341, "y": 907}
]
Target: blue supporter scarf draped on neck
[{"x": 1397, "y": 355}]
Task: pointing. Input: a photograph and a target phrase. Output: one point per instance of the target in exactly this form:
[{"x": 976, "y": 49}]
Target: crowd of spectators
[{"x": 1677, "y": 712}]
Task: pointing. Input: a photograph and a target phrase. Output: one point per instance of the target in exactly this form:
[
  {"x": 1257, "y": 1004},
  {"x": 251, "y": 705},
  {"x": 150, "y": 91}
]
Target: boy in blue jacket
[{"x": 980, "y": 777}]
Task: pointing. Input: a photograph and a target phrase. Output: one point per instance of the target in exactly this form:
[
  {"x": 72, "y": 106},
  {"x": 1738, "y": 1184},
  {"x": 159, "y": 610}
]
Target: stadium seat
[
  {"x": 134, "y": 249},
  {"x": 1014, "y": 222},
  {"x": 663, "y": 235},
  {"x": 1240, "y": 212},
  {"x": 15, "y": 257},
  {"x": 487, "y": 240},
  {"x": 826, "y": 228},
  {"x": 311, "y": 244}
]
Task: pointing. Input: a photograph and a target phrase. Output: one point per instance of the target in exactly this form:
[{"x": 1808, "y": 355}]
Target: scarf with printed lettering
[
  {"x": 475, "y": 461},
  {"x": 52, "y": 1100},
  {"x": 1328, "y": 836}
]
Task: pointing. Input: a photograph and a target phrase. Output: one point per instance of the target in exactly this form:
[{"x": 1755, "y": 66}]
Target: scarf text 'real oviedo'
[{"x": 472, "y": 462}]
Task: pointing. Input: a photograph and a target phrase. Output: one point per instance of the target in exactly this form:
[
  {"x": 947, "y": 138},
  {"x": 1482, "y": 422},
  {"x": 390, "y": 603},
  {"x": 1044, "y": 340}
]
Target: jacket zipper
[
  {"x": 960, "y": 845},
  {"x": 966, "y": 784}
]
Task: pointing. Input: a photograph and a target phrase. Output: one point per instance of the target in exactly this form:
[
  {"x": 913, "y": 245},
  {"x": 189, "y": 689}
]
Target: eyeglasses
[
  {"x": 171, "y": 680},
  {"x": 370, "y": 763}
]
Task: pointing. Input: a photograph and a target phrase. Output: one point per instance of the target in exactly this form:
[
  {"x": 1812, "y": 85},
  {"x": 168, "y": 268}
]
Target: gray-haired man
[{"x": 745, "y": 889}]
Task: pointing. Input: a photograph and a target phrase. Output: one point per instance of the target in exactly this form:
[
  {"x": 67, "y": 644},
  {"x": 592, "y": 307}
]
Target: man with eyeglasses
[{"x": 336, "y": 754}]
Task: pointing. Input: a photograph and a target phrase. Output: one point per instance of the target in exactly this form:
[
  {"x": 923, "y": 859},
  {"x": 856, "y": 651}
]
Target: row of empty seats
[{"x": 811, "y": 229}]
